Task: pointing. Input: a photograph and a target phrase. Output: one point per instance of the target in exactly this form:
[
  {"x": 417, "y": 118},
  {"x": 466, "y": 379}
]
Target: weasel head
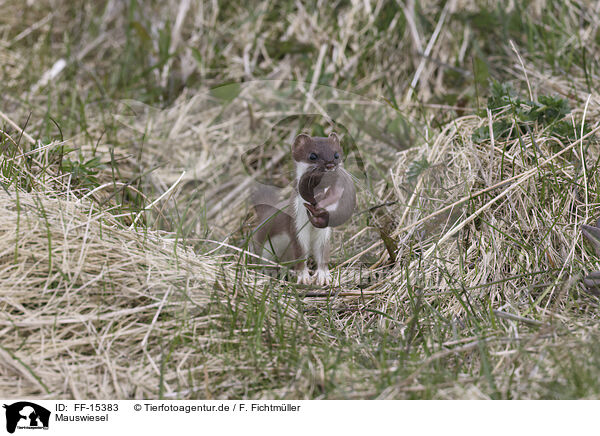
[{"x": 317, "y": 152}]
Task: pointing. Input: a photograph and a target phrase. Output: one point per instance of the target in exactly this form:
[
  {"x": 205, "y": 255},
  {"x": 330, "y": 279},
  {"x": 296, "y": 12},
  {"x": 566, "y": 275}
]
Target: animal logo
[{"x": 24, "y": 414}]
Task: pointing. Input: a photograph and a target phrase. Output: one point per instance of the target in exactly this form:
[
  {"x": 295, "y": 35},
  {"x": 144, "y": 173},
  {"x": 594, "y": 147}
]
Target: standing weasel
[{"x": 324, "y": 197}]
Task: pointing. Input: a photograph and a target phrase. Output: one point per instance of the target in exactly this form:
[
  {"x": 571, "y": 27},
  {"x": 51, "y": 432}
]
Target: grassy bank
[{"x": 132, "y": 132}]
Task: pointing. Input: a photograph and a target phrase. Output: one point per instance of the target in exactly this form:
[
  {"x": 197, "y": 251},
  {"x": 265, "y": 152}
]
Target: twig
[
  {"x": 512, "y": 44},
  {"x": 14, "y": 125},
  {"x": 427, "y": 51},
  {"x": 151, "y": 205},
  {"x": 512, "y": 317},
  {"x": 316, "y": 74}
]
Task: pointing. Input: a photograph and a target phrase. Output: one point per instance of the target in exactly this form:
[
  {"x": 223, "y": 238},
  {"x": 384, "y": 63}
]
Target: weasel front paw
[
  {"x": 318, "y": 216},
  {"x": 304, "y": 277},
  {"x": 323, "y": 277}
]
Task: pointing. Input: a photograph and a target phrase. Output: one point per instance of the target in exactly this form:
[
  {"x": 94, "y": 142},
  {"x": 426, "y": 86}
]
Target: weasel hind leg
[
  {"x": 321, "y": 253},
  {"x": 300, "y": 255},
  {"x": 301, "y": 242}
]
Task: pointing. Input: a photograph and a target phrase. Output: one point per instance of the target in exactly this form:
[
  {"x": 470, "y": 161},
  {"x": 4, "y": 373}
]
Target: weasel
[{"x": 324, "y": 197}]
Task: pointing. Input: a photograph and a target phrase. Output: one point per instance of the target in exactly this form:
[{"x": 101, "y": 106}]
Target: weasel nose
[{"x": 329, "y": 166}]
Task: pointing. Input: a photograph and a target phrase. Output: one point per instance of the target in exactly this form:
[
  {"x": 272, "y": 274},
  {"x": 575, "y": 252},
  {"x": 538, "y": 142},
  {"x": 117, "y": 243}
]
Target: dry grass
[
  {"x": 126, "y": 164},
  {"x": 84, "y": 298}
]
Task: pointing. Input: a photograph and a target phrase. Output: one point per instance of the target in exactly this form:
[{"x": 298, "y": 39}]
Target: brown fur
[
  {"x": 324, "y": 147},
  {"x": 274, "y": 221}
]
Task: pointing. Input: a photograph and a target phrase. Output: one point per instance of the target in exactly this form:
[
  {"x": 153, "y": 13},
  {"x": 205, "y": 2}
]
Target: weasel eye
[
  {"x": 336, "y": 155},
  {"x": 313, "y": 156}
]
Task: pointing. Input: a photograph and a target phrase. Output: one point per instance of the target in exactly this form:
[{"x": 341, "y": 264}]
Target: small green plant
[
  {"x": 417, "y": 168},
  {"x": 83, "y": 174},
  {"x": 516, "y": 114}
]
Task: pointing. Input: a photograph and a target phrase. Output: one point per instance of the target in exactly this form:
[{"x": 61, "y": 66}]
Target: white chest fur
[{"x": 312, "y": 239}]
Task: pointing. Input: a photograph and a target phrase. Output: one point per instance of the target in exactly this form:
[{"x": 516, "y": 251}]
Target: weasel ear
[
  {"x": 301, "y": 139},
  {"x": 334, "y": 138}
]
